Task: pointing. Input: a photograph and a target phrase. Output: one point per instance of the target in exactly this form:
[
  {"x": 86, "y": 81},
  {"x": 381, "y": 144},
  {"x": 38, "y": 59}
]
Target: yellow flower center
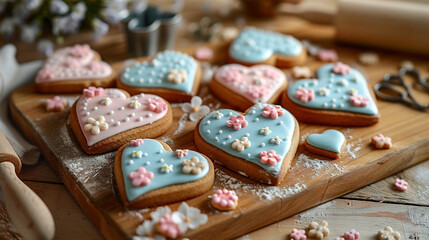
[
  {"x": 187, "y": 219},
  {"x": 195, "y": 109}
]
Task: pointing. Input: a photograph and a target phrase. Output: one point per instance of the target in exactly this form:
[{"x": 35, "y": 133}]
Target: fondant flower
[
  {"x": 388, "y": 234},
  {"x": 95, "y": 126},
  {"x": 195, "y": 108},
  {"x": 256, "y": 92},
  {"x": 193, "y": 165},
  {"x": 181, "y": 153},
  {"x": 380, "y": 141},
  {"x": 401, "y": 185},
  {"x": 191, "y": 217},
  {"x": 176, "y": 76},
  {"x": 270, "y": 158},
  {"x": 159, "y": 213},
  {"x": 156, "y": 105},
  {"x": 318, "y": 231},
  {"x": 224, "y": 199},
  {"x": 327, "y": 55},
  {"x": 141, "y": 177},
  {"x": 232, "y": 75},
  {"x": 351, "y": 235},
  {"x": 169, "y": 225},
  {"x": 298, "y": 234},
  {"x": 271, "y": 73},
  {"x": 343, "y": 82},
  {"x": 46, "y": 74},
  {"x": 167, "y": 168},
  {"x": 341, "y": 68},
  {"x": 146, "y": 229},
  {"x": 134, "y": 104},
  {"x": 358, "y": 100},
  {"x": 79, "y": 50},
  {"x": 137, "y": 154},
  {"x": 304, "y": 95},
  {"x": 217, "y": 115},
  {"x": 136, "y": 142},
  {"x": 265, "y": 131},
  {"x": 93, "y": 91},
  {"x": 301, "y": 72},
  {"x": 323, "y": 92},
  {"x": 272, "y": 111},
  {"x": 237, "y": 122},
  {"x": 106, "y": 101},
  {"x": 55, "y": 104},
  {"x": 240, "y": 145},
  {"x": 276, "y": 140},
  {"x": 71, "y": 63}
]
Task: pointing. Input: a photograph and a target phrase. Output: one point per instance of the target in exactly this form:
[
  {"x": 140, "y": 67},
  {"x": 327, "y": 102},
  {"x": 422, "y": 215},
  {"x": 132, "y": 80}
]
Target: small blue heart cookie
[
  {"x": 328, "y": 144},
  {"x": 148, "y": 173}
]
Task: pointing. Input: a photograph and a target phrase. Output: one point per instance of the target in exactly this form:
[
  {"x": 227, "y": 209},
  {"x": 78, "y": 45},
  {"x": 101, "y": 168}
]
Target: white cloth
[{"x": 13, "y": 75}]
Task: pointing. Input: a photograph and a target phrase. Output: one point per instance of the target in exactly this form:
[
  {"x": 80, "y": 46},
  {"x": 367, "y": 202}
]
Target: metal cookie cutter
[{"x": 150, "y": 31}]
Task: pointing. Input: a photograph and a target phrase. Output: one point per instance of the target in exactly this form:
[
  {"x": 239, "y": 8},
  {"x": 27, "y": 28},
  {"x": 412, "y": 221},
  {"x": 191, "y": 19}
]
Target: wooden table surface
[{"x": 406, "y": 212}]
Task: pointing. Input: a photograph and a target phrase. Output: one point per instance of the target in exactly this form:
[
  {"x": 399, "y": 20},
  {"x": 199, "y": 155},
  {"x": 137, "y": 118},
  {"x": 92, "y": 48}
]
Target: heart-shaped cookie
[
  {"x": 242, "y": 86},
  {"x": 328, "y": 144},
  {"x": 259, "y": 144},
  {"x": 172, "y": 75},
  {"x": 105, "y": 119},
  {"x": 71, "y": 69},
  {"x": 340, "y": 96},
  {"x": 256, "y": 46},
  {"x": 148, "y": 173}
]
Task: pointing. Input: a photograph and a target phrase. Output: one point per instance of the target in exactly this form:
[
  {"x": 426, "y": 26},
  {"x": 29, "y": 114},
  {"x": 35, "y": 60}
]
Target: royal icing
[
  {"x": 336, "y": 92},
  {"x": 401, "y": 185},
  {"x": 217, "y": 133},
  {"x": 55, "y": 104},
  {"x": 225, "y": 199},
  {"x": 298, "y": 234},
  {"x": 168, "y": 70},
  {"x": 388, "y": 234},
  {"x": 380, "y": 141},
  {"x": 73, "y": 63},
  {"x": 331, "y": 140},
  {"x": 166, "y": 167},
  {"x": 351, "y": 235},
  {"x": 257, "y": 45},
  {"x": 257, "y": 83},
  {"x": 318, "y": 230},
  {"x": 99, "y": 121}
]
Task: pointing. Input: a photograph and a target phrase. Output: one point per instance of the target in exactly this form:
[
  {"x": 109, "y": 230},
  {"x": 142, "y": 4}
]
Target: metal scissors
[{"x": 391, "y": 80}]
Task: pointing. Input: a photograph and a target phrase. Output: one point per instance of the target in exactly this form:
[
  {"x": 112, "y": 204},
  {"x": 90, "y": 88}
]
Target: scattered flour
[
  {"x": 317, "y": 165},
  {"x": 304, "y": 136},
  {"x": 182, "y": 123},
  {"x": 419, "y": 216},
  {"x": 351, "y": 149}
]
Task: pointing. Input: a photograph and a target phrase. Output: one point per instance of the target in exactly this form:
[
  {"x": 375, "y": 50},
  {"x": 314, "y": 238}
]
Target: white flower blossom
[
  {"x": 192, "y": 217},
  {"x": 195, "y": 108},
  {"x": 167, "y": 168}
]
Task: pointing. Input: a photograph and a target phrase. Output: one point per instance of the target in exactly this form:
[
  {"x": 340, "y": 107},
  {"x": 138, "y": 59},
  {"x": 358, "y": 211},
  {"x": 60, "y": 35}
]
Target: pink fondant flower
[
  {"x": 257, "y": 92},
  {"x": 401, "y": 185},
  {"x": 93, "y": 91},
  {"x": 298, "y": 234},
  {"x": 272, "y": 111},
  {"x": 341, "y": 68},
  {"x": 46, "y": 74},
  {"x": 181, "y": 152},
  {"x": 169, "y": 226},
  {"x": 204, "y": 53},
  {"x": 304, "y": 95},
  {"x": 141, "y": 177},
  {"x": 94, "y": 66},
  {"x": 136, "y": 143},
  {"x": 351, "y": 235},
  {"x": 56, "y": 104},
  {"x": 79, "y": 50},
  {"x": 327, "y": 55},
  {"x": 271, "y": 73},
  {"x": 237, "y": 122},
  {"x": 270, "y": 158},
  {"x": 232, "y": 75},
  {"x": 156, "y": 105},
  {"x": 380, "y": 141},
  {"x": 358, "y": 100},
  {"x": 225, "y": 199},
  {"x": 71, "y": 63}
]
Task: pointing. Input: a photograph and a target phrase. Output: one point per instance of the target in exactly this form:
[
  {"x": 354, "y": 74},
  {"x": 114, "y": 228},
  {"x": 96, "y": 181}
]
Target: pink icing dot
[
  {"x": 272, "y": 111},
  {"x": 232, "y": 75},
  {"x": 358, "y": 100},
  {"x": 93, "y": 91},
  {"x": 341, "y": 68},
  {"x": 156, "y": 105},
  {"x": 237, "y": 122},
  {"x": 304, "y": 95},
  {"x": 46, "y": 74},
  {"x": 270, "y": 158},
  {"x": 401, "y": 185},
  {"x": 141, "y": 177},
  {"x": 225, "y": 198},
  {"x": 79, "y": 50},
  {"x": 203, "y": 53},
  {"x": 136, "y": 143},
  {"x": 257, "y": 92}
]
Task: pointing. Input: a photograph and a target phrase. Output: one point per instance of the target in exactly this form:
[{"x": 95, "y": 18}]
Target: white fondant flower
[
  {"x": 106, "y": 101},
  {"x": 240, "y": 145},
  {"x": 193, "y": 165},
  {"x": 159, "y": 213},
  {"x": 218, "y": 115},
  {"x": 167, "y": 168},
  {"x": 134, "y": 104},
  {"x": 95, "y": 126},
  {"x": 343, "y": 82},
  {"x": 195, "y": 108},
  {"x": 176, "y": 76},
  {"x": 146, "y": 228},
  {"x": 323, "y": 92},
  {"x": 277, "y": 140},
  {"x": 137, "y": 154},
  {"x": 191, "y": 217},
  {"x": 265, "y": 131}
]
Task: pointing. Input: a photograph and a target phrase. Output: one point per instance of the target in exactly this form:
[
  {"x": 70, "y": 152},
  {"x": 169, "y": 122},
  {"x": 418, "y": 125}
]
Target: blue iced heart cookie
[
  {"x": 330, "y": 140},
  {"x": 256, "y": 45},
  {"x": 145, "y": 165},
  {"x": 167, "y": 70},
  {"x": 262, "y": 137}
]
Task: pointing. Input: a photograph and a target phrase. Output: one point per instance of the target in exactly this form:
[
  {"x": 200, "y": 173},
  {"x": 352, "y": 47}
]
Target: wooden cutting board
[{"x": 309, "y": 182}]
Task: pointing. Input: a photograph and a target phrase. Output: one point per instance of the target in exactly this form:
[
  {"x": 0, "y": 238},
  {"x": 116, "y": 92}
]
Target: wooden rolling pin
[{"x": 28, "y": 212}]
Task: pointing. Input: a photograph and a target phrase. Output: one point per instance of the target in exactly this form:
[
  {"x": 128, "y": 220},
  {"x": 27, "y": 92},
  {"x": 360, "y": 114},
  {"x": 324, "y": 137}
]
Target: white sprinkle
[
  {"x": 220, "y": 132},
  {"x": 132, "y": 115},
  {"x": 325, "y": 104},
  {"x": 87, "y": 114},
  {"x": 208, "y": 131},
  {"x": 84, "y": 109},
  {"x": 111, "y": 112},
  {"x": 223, "y": 143},
  {"x": 126, "y": 119},
  {"x": 262, "y": 144},
  {"x": 230, "y": 114},
  {"x": 161, "y": 160},
  {"x": 249, "y": 155},
  {"x": 252, "y": 112},
  {"x": 149, "y": 115},
  {"x": 121, "y": 108},
  {"x": 247, "y": 134},
  {"x": 147, "y": 163},
  {"x": 160, "y": 151},
  {"x": 208, "y": 122},
  {"x": 228, "y": 137},
  {"x": 334, "y": 105},
  {"x": 217, "y": 139},
  {"x": 333, "y": 100},
  {"x": 145, "y": 154},
  {"x": 117, "y": 123},
  {"x": 139, "y": 119},
  {"x": 111, "y": 120},
  {"x": 131, "y": 162},
  {"x": 256, "y": 119},
  {"x": 281, "y": 123},
  {"x": 341, "y": 105}
]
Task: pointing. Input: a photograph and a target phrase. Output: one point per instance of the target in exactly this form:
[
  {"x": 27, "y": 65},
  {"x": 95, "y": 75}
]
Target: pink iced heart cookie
[
  {"x": 242, "y": 86},
  {"x": 72, "y": 69},
  {"x": 104, "y": 119}
]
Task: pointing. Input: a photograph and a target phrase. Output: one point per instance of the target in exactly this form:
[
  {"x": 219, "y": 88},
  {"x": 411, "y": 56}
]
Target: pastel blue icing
[
  {"x": 153, "y": 148},
  {"x": 331, "y": 140},
  {"x": 283, "y": 127},
  {"x": 153, "y": 74},
  {"x": 338, "y": 98},
  {"x": 257, "y": 45}
]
